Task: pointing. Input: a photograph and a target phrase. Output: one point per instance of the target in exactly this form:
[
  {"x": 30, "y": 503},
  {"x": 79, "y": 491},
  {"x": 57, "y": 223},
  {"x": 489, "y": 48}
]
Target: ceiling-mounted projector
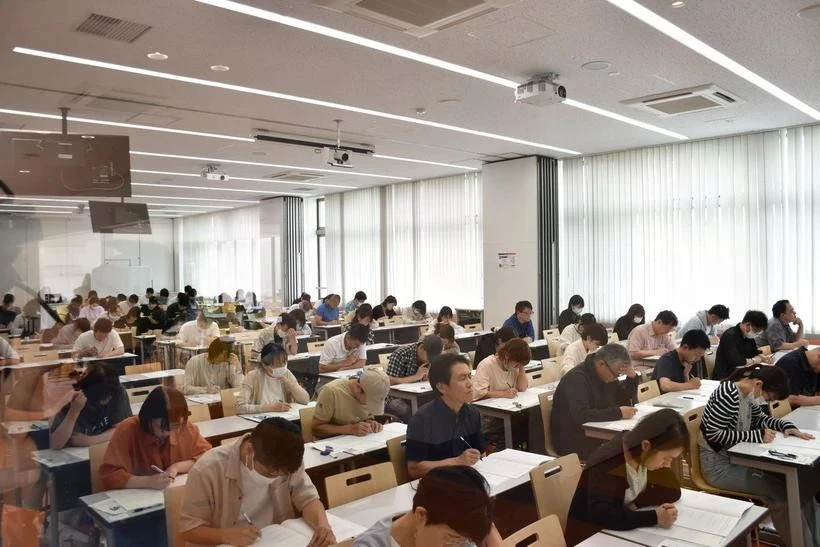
[
  {"x": 541, "y": 91},
  {"x": 339, "y": 157}
]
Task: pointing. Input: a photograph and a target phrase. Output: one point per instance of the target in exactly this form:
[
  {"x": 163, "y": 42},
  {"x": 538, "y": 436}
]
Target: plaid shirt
[{"x": 403, "y": 362}]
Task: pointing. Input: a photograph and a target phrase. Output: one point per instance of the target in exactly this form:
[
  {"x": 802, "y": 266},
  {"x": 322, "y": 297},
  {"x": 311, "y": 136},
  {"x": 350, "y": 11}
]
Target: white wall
[
  {"x": 510, "y": 198},
  {"x": 60, "y": 252}
]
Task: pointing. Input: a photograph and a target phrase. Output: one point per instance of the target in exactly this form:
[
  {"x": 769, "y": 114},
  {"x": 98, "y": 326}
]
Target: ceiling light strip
[
  {"x": 30, "y": 205},
  {"x": 25, "y": 198},
  {"x": 188, "y": 205},
  {"x": 681, "y": 36},
  {"x": 210, "y": 188},
  {"x": 196, "y": 199},
  {"x": 285, "y": 97},
  {"x": 36, "y": 212},
  {"x": 608, "y": 114},
  {"x": 426, "y": 162},
  {"x": 358, "y": 40}
]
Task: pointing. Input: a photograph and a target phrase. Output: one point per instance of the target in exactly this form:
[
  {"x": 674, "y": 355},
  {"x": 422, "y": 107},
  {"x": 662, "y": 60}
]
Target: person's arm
[
  {"x": 417, "y": 469},
  {"x": 314, "y": 514},
  {"x": 636, "y": 343},
  {"x": 235, "y": 376},
  {"x": 667, "y": 385},
  {"x": 327, "y": 429},
  {"x": 244, "y": 400},
  {"x": 350, "y": 362},
  {"x": 318, "y": 320},
  {"x": 292, "y": 343},
  {"x": 530, "y": 331},
  {"x": 638, "y": 354},
  {"x": 180, "y": 468},
  {"x": 605, "y": 502},
  {"x": 114, "y": 353},
  {"x": 521, "y": 381},
  {"x": 61, "y": 435},
  {"x": 417, "y": 377},
  {"x": 804, "y": 400},
  {"x": 80, "y": 439},
  {"x": 297, "y": 393}
]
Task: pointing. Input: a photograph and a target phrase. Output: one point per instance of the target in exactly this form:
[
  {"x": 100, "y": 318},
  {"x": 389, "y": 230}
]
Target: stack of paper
[{"x": 205, "y": 398}]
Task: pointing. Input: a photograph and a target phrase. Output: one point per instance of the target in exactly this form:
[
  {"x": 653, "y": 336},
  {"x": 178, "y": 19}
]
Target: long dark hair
[
  {"x": 664, "y": 429},
  {"x": 774, "y": 379}
]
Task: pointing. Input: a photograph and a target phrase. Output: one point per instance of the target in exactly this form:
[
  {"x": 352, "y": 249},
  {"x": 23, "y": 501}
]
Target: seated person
[
  {"x": 163, "y": 297},
  {"x": 520, "y": 321},
  {"x": 635, "y": 316},
  {"x": 7, "y": 354},
  {"x": 112, "y": 309},
  {"x": 451, "y": 506},
  {"x": 302, "y": 326},
  {"x": 358, "y": 299},
  {"x": 802, "y": 367},
  {"x": 416, "y": 313},
  {"x": 266, "y": 467},
  {"x": 349, "y": 406},
  {"x": 345, "y": 351},
  {"x": 129, "y": 320},
  {"x": 363, "y": 315},
  {"x": 282, "y": 333},
  {"x": 92, "y": 310},
  {"x": 445, "y": 317},
  {"x": 161, "y": 436},
  {"x": 448, "y": 336},
  {"x": 8, "y": 311},
  {"x": 153, "y": 317},
  {"x": 595, "y": 336},
  {"x": 488, "y": 344},
  {"x": 327, "y": 313},
  {"x": 737, "y": 346},
  {"x": 591, "y": 392},
  {"x": 628, "y": 473},
  {"x": 447, "y": 430},
  {"x": 303, "y": 298},
  {"x": 74, "y": 307},
  {"x": 149, "y": 293},
  {"x": 706, "y": 321},
  {"x": 131, "y": 302},
  {"x": 407, "y": 364},
  {"x": 387, "y": 309},
  {"x": 575, "y": 331},
  {"x": 502, "y": 374},
  {"x": 682, "y": 368},
  {"x": 270, "y": 386},
  {"x": 572, "y": 314},
  {"x": 214, "y": 370},
  {"x": 176, "y": 314},
  {"x": 653, "y": 338},
  {"x": 200, "y": 332},
  {"x": 97, "y": 406},
  {"x": 101, "y": 341},
  {"x": 779, "y": 334}
]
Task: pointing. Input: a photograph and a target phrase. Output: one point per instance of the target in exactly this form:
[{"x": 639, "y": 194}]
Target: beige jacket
[
  {"x": 247, "y": 402},
  {"x": 200, "y": 374},
  {"x": 213, "y": 493}
]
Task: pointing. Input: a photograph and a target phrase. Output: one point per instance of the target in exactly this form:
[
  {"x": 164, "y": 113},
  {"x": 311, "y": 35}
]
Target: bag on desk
[{"x": 21, "y": 527}]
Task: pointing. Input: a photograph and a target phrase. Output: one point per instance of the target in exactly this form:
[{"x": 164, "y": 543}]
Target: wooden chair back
[
  {"x": 538, "y": 378},
  {"x": 765, "y": 350},
  {"x": 395, "y": 320},
  {"x": 550, "y": 333},
  {"x": 778, "y": 409},
  {"x": 139, "y": 394},
  {"x": 359, "y": 483},
  {"x": 541, "y": 533},
  {"x": 648, "y": 390},
  {"x": 395, "y": 450},
  {"x": 545, "y": 402},
  {"x": 709, "y": 361},
  {"x": 306, "y": 421},
  {"x": 173, "y": 508},
  {"x": 199, "y": 413},
  {"x": 96, "y": 453},
  {"x": 315, "y": 347},
  {"x": 383, "y": 358},
  {"x": 613, "y": 337},
  {"x": 228, "y": 397},
  {"x": 473, "y": 327},
  {"x": 553, "y": 486},
  {"x": 143, "y": 368}
]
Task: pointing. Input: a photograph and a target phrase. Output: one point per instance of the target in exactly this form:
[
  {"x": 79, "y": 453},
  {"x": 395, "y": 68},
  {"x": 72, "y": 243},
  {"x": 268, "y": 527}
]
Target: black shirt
[
  {"x": 95, "y": 420},
  {"x": 733, "y": 350},
  {"x": 380, "y": 311},
  {"x": 669, "y": 366},
  {"x": 624, "y": 325},
  {"x": 567, "y": 317},
  {"x": 802, "y": 379},
  {"x": 7, "y": 316},
  {"x": 435, "y": 432}
]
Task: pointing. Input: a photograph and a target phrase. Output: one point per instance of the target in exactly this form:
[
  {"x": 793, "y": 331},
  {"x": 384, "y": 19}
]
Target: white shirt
[
  {"x": 256, "y": 500},
  {"x": 270, "y": 389},
  {"x": 124, "y": 307},
  {"x": 92, "y": 313},
  {"x": 569, "y": 335},
  {"x": 574, "y": 355},
  {"x": 86, "y": 341},
  {"x": 190, "y": 333},
  {"x": 636, "y": 479},
  {"x": 335, "y": 351}
]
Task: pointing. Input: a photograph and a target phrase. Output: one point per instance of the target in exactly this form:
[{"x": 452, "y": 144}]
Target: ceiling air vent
[
  {"x": 113, "y": 28},
  {"x": 295, "y": 176},
  {"x": 685, "y": 101},
  {"x": 415, "y": 17}
]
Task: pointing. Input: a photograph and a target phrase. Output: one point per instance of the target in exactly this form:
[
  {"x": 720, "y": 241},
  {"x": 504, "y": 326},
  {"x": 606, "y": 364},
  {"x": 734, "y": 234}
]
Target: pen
[
  {"x": 687, "y": 397},
  {"x": 158, "y": 470},
  {"x": 782, "y": 454},
  {"x": 247, "y": 519}
]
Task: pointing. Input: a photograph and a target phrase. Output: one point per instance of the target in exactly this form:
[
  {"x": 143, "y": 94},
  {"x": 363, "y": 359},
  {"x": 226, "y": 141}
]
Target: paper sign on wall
[{"x": 506, "y": 261}]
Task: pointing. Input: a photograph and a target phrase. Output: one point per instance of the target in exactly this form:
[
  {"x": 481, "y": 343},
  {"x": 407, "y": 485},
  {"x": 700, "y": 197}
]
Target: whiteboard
[{"x": 112, "y": 280}]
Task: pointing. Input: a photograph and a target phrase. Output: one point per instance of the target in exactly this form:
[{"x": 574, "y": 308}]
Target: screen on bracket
[{"x": 108, "y": 217}]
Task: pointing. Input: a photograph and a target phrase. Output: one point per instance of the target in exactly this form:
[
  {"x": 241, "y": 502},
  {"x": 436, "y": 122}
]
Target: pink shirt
[{"x": 643, "y": 338}]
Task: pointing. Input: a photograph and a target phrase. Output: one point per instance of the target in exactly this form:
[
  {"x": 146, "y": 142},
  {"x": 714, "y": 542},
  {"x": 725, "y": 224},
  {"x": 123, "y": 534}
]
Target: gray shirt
[
  {"x": 698, "y": 322},
  {"x": 377, "y": 535},
  {"x": 777, "y": 333}
]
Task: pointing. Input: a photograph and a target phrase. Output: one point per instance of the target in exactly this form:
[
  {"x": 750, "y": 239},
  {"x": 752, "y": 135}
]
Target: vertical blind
[{"x": 685, "y": 226}]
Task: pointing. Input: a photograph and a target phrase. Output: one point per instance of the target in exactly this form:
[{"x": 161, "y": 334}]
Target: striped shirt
[{"x": 720, "y": 419}]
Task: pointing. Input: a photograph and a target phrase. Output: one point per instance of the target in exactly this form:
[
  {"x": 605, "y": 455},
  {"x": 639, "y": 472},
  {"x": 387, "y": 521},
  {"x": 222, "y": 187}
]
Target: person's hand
[
  {"x": 768, "y": 435},
  {"x": 667, "y": 515},
  {"x": 291, "y": 333},
  {"x": 628, "y": 412},
  {"x": 659, "y": 351},
  {"x": 159, "y": 481},
  {"x": 421, "y": 373},
  {"x": 694, "y": 383},
  {"x": 509, "y": 393},
  {"x": 630, "y": 371},
  {"x": 213, "y": 389},
  {"x": 803, "y": 342},
  {"x": 375, "y": 426},
  {"x": 469, "y": 457},
  {"x": 527, "y": 339},
  {"x": 241, "y": 536},
  {"x": 799, "y": 434},
  {"x": 79, "y": 439},
  {"x": 797, "y": 321},
  {"x": 322, "y": 537},
  {"x": 78, "y": 400},
  {"x": 172, "y": 471},
  {"x": 278, "y": 406},
  {"x": 359, "y": 429}
]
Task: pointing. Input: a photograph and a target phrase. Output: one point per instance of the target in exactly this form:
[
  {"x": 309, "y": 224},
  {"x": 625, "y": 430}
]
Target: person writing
[
  {"x": 653, "y": 338},
  {"x": 595, "y": 336},
  {"x": 283, "y": 333},
  {"x": 737, "y": 347},
  {"x": 682, "y": 368},
  {"x": 200, "y": 332},
  {"x": 520, "y": 322},
  {"x": 102, "y": 341},
  {"x": 213, "y": 371},
  {"x": 235, "y": 490},
  {"x": 387, "y": 309},
  {"x": 408, "y": 364},
  {"x": 349, "y": 406},
  {"x": 270, "y": 386},
  {"x": 502, "y": 374},
  {"x": 327, "y": 313},
  {"x": 802, "y": 367},
  {"x": 345, "y": 351}
]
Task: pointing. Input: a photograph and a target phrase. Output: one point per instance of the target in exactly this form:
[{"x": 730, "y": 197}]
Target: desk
[
  {"x": 68, "y": 477},
  {"x": 374, "y": 350},
  {"x": 158, "y": 375},
  {"x": 468, "y": 341},
  {"x": 505, "y": 408},
  {"x": 169, "y": 353},
  {"x": 777, "y": 355},
  {"x": 540, "y": 349},
  {"x": 305, "y": 366},
  {"x": 291, "y": 415},
  {"x": 399, "y": 333},
  {"x": 412, "y": 392},
  {"x": 143, "y": 340},
  {"x": 215, "y": 431},
  {"x": 806, "y": 417},
  {"x": 347, "y": 373},
  {"x": 347, "y": 447},
  {"x": 327, "y": 331}
]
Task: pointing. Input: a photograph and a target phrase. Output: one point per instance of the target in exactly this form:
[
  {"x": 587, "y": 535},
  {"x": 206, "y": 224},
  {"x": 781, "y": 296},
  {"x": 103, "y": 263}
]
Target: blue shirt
[
  {"x": 327, "y": 313},
  {"x": 521, "y": 330}
]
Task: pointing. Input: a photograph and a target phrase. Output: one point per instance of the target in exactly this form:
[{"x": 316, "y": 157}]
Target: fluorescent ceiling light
[
  {"x": 358, "y": 40},
  {"x": 36, "y": 212},
  {"x": 188, "y": 205},
  {"x": 657, "y": 22},
  {"x": 411, "y": 160},
  {"x": 197, "y": 199},
  {"x": 38, "y": 206},
  {"x": 194, "y": 175},
  {"x": 119, "y": 124},
  {"x": 219, "y": 189},
  {"x": 43, "y": 199},
  {"x": 285, "y": 97},
  {"x": 608, "y": 114}
]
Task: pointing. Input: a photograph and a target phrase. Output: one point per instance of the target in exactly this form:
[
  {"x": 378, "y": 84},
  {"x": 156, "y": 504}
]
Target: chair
[
  {"x": 542, "y": 533},
  {"x": 199, "y": 413},
  {"x": 709, "y": 361},
  {"x": 96, "y": 453},
  {"x": 553, "y": 486},
  {"x": 173, "y": 508},
  {"x": 395, "y": 450},
  {"x": 139, "y": 394},
  {"x": 613, "y": 337},
  {"x": 550, "y": 333},
  {"x": 315, "y": 347},
  {"x": 765, "y": 350},
  {"x": 228, "y": 397},
  {"x": 306, "y": 421},
  {"x": 383, "y": 358},
  {"x": 545, "y": 402},
  {"x": 551, "y": 369},
  {"x": 34, "y": 355},
  {"x": 359, "y": 483},
  {"x": 778, "y": 409},
  {"x": 538, "y": 378},
  {"x": 556, "y": 347},
  {"x": 230, "y": 440},
  {"x": 473, "y": 327},
  {"x": 143, "y": 368},
  {"x": 648, "y": 390},
  {"x": 395, "y": 320}
]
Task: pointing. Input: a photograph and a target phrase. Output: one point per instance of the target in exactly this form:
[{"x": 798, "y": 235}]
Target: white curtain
[
  {"x": 732, "y": 220},
  {"x": 310, "y": 252}
]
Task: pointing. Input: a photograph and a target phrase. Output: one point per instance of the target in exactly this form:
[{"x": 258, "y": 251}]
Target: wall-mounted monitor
[
  {"x": 52, "y": 164},
  {"x": 108, "y": 217}
]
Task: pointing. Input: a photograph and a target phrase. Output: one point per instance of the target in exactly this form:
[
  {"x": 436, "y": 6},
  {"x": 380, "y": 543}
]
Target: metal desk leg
[
  {"x": 414, "y": 404},
  {"x": 508, "y": 439},
  {"x": 793, "y": 503},
  {"x": 54, "y": 513}
]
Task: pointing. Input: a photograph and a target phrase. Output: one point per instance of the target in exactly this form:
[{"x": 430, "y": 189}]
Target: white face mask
[
  {"x": 278, "y": 372},
  {"x": 577, "y": 310},
  {"x": 253, "y": 475},
  {"x": 637, "y": 320},
  {"x": 751, "y": 335}
]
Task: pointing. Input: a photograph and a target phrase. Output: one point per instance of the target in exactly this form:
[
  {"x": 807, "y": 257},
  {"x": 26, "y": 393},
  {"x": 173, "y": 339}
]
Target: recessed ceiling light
[
  {"x": 285, "y": 97},
  {"x": 37, "y": 206},
  {"x": 596, "y": 65},
  {"x": 220, "y": 68},
  {"x": 613, "y": 73},
  {"x": 657, "y": 22},
  {"x": 811, "y": 12},
  {"x": 678, "y": 4},
  {"x": 157, "y": 56},
  {"x": 449, "y": 101},
  {"x": 24, "y": 171}
]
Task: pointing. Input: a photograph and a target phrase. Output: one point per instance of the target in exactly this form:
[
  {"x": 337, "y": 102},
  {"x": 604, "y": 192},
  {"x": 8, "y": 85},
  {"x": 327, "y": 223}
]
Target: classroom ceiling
[{"x": 518, "y": 40}]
